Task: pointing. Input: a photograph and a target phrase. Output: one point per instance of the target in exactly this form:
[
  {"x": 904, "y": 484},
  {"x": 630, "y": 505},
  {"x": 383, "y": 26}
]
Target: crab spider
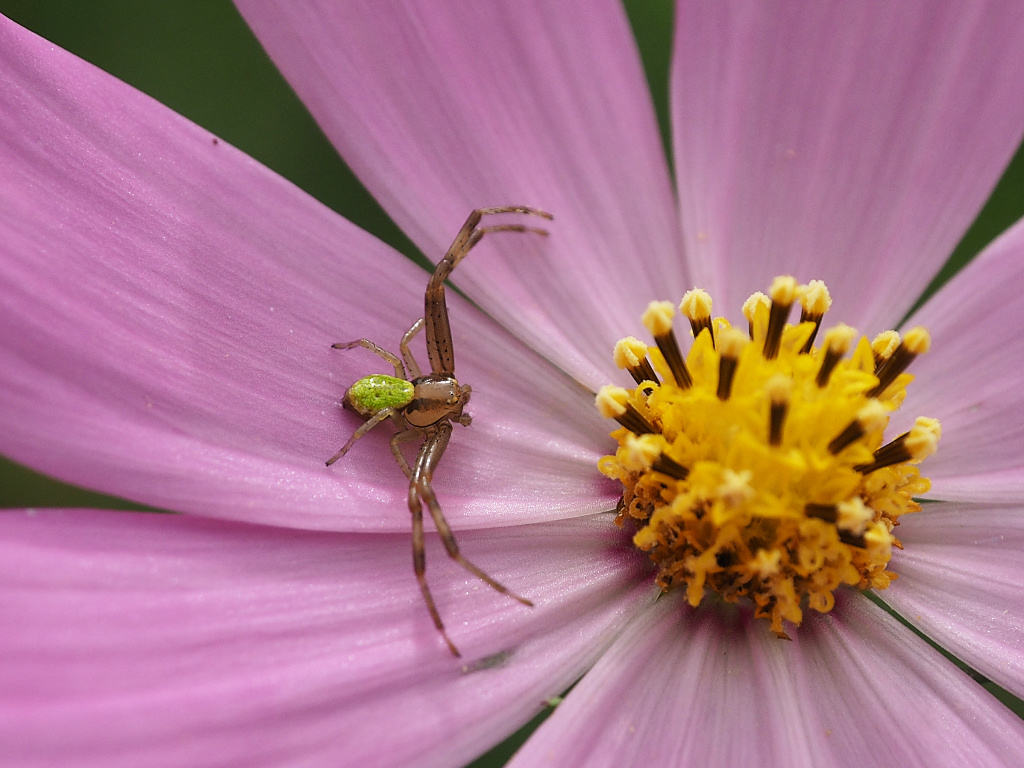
[{"x": 424, "y": 406}]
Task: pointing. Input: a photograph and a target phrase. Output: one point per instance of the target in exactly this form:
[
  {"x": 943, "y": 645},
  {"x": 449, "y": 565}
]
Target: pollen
[{"x": 755, "y": 466}]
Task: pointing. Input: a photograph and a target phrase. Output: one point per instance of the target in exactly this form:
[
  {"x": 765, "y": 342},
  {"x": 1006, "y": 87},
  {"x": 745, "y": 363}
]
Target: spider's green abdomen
[{"x": 375, "y": 393}]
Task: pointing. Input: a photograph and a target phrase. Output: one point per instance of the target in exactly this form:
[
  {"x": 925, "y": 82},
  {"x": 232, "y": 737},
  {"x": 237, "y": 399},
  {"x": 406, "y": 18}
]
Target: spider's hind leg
[{"x": 422, "y": 492}]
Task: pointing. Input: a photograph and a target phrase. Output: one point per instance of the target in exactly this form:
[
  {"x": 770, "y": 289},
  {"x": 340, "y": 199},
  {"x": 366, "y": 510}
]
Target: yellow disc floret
[{"x": 754, "y": 467}]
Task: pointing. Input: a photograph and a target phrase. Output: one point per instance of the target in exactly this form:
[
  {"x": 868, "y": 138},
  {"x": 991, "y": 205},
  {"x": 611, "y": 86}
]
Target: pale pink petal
[
  {"x": 447, "y": 106},
  {"x": 961, "y": 582},
  {"x": 973, "y": 378},
  {"x": 713, "y": 687},
  {"x": 852, "y": 142},
  {"x": 159, "y": 640},
  {"x": 168, "y": 311}
]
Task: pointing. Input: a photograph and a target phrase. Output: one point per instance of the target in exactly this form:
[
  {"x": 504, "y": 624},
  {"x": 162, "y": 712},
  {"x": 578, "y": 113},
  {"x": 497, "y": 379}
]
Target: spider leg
[
  {"x": 377, "y": 418},
  {"x": 422, "y": 492},
  {"x": 379, "y": 351},
  {"x": 439, "y": 333},
  {"x": 410, "y": 361},
  {"x": 404, "y": 436}
]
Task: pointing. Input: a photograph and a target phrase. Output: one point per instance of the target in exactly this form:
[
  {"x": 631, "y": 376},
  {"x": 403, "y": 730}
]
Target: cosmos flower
[{"x": 168, "y": 309}]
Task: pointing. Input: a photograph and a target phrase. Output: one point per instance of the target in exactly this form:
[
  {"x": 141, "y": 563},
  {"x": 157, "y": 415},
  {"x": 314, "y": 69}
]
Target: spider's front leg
[
  {"x": 435, "y": 311},
  {"x": 421, "y": 492}
]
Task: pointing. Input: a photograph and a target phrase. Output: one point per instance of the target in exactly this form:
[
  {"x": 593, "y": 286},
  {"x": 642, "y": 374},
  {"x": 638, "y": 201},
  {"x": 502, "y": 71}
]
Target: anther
[
  {"x": 783, "y": 293},
  {"x": 913, "y": 446},
  {"x": 778, "y": 388},
  {"x": 658, "y": 320},
  {"x": 826, "y": 512},
  {"x": 882, "y": 347},
  {"x": 730, "y": 345},
  {"x": 871, "y": 417},
  {"x": 696, "y": 306},
  {"x": 670, "y": 467},
  {"x": 916, "y": 342},
  {"x": 815, "y": 301},
  {"x": 756, "y": 309},
  {"x": 837, "y": 343},
  {"x": 613, "y": 403},
  {"x": 631, "y": 355}
]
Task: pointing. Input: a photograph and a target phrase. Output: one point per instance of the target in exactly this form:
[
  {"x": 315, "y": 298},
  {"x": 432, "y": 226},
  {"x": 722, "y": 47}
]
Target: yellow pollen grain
[
  {"x": 853, "y": 515},
  {"x": 782, "y": 487},
  {"x": 917, "y": 340},
  {"x": 784, "y": 290},
  {"x": 873, "y": 416},
  {"x": 885, "y": 343},
  {"x": 778, "y": 388},
  {"x": 755, "y": 303},
  {"x": 629, "y": 352},
  {"x": 735, "y": 487},
  {"x": 641, "y": 452},
  {"x": 840, "y": 338},
  {"x": 923, "y": 439},
  {"x": 696, "y": 305},
  {"x": 731, "y": 342},
  {"x": 765, "y": 563},
  {"x": 815, "y": 298},
  {"x": 611, "y": 401},
  {"x": 658, "y": 318}
]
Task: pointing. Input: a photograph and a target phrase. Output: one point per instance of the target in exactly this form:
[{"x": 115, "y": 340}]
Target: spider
[{"x": 424, "y": 406}]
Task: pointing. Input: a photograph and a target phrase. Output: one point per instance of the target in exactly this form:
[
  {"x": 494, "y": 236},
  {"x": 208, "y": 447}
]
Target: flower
[{"x": 168, "y": 310}]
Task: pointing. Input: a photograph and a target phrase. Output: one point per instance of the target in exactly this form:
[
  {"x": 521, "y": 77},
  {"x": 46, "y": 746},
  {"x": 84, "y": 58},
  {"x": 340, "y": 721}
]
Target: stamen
[
  {"x": 837, "y": 343},
  {"x": 756, "y": 309},
  {"x": 631, "y": 355},
  {"x": 658, "y": 320},
  {"x": 882, "y": 347},
  {"x": 613, "y": 403},
  {"x": 669, "y": 466},
  {"x": 913, "y": 446},
  {"x": 730, "y": 344},
  {"x": 815, "y": 301},
  {"x": 783, "y": 293},
  {"x": 826, "y": 512},
  {"x": 696, "y": 305},
  {"x": 778, "y": 388},
  {"x": 871, "y": 418},
  {"x": 916, "y": 342}
]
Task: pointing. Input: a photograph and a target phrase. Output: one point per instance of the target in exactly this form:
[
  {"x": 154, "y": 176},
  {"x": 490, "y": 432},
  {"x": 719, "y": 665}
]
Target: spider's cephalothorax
[{"x": 423, "y": 407}]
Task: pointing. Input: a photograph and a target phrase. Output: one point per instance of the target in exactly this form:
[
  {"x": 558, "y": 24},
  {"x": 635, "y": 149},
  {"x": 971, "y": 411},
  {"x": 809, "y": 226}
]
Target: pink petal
[
  {"x": 158, "y": 640},
  {"x": 849, "y": 142},
  {"x": 448, "y": 106},
  {"x": 714, "y": 687},
  {"x": 960, "y": 584},
  {"x": 168, "y": 311},
  {"x": 973, "y": 379}
]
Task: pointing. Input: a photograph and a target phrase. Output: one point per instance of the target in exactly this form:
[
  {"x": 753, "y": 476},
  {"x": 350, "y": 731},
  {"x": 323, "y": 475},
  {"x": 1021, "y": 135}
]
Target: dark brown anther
[
  {"x": 829, "y": 361},
  {"x": 783, "y": 293},
  {"x": 674, "y": 357},
  {"x": 670, "y": 467},
  {"x": 814, "y": 302},
  {"x": 854, "y": 431},
  {"x": 635, "y": 422},
  {"x": 776, "y": 418},
  {"x": 826, "y": 512},
  {"x": 893, "y": 452},
  {"x": 658, "y": 320},
  {"x": 916, "y": 342}
]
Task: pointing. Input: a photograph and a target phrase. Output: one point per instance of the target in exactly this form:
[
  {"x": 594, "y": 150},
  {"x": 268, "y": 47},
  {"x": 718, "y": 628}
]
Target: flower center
[{"x": 754, "y": 468}]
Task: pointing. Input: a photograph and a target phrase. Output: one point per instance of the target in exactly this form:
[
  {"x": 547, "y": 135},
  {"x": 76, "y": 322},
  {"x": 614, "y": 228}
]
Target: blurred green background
[{"x": 199, "y": 58}]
